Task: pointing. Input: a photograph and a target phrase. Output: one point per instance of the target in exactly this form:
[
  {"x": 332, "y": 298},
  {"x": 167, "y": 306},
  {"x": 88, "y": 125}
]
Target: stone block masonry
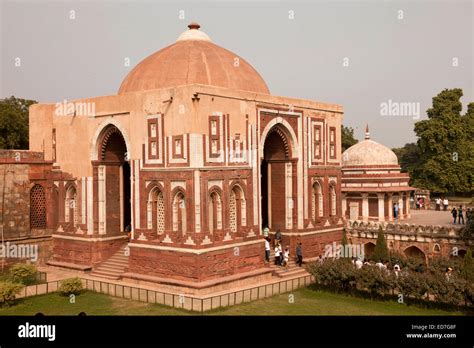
[{"x": 15, "y": 200}]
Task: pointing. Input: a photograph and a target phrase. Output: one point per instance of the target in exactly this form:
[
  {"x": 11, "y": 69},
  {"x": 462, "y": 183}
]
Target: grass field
[{"x": 306, "y": 302}]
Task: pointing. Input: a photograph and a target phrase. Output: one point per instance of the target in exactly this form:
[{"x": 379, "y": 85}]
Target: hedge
[{"x": 342, "y": 275}]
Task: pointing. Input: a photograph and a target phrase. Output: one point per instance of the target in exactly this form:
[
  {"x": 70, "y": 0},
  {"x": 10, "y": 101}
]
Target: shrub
[
  {"x": 469, "y": 294},
  {"x": 413, "y": 284},
  {"x": 337, "y": 274},
  {"x": 440, "y": 264},
  {"x": 8, "y": 291},
  {"x": 377, "y": 282},
  {"x": 405, "y": 262},
  {"x": 341, "y": 275},
  {"x": 450, "y": 291},
  {"x": 71, "y": 286},
  {"x": 23, "y": 272},
  {"x": 467, "y": 270}
]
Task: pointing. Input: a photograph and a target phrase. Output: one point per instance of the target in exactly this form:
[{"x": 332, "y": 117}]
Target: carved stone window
[{"x": 37, "y": 207}]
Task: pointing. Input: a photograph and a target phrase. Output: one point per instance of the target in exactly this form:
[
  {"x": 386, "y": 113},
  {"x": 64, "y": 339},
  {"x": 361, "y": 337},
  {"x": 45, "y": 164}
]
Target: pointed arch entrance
[
  {"x": 113, "y": 182},
  {"x": 277, "y": 203}
]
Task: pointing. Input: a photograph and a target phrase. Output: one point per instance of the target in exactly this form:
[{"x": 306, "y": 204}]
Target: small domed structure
[
  {"x": 369, "y": 153},
  {"x": 193, "y": 59},
  {"x": 373, "y": 188}
]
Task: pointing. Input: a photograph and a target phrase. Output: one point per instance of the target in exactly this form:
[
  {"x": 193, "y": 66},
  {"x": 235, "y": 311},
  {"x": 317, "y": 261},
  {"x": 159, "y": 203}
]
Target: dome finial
[
  {"x": 194, "y": 25},
  {"x": 367, "y": 133}
]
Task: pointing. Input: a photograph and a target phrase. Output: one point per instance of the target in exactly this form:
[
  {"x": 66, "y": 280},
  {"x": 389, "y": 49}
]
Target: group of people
[
  {"x": 282, "y": 257},
  {"x": 441, "y": 202},
  {"x": 458, "y": 214},
  {"x": 358, "y": 263}
]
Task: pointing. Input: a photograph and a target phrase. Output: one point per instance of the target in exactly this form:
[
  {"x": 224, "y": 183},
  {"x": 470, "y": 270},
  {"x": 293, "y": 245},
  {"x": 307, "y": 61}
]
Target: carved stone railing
[{"x": 403, "y": 228}]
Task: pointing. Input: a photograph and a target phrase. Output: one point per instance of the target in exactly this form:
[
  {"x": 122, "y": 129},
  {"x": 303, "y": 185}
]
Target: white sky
[{"x": 403, "y": 60}]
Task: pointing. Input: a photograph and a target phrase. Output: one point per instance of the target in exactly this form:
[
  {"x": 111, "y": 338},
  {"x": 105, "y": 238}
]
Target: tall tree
[
  {"x": 14, "y": 123},
  {"x": 408, "y": 157},
  {"x": 446, "y": 145},
  {"x": 347, "y": 137},
  {"x": 381, "y": 249}
]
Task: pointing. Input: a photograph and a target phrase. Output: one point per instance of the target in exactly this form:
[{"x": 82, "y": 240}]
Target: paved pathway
[{"x": 431, "y": 217}]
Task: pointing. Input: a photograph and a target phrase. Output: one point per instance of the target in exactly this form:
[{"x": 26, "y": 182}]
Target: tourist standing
[
  {"x": 445, "y": 203},
  {"x": 460, "y": 215},
  {"x": 396, "y": 269},
  {"x": 395, "y": 211},
  {"x": 286, "y": 257},
  {"x": 277, "y": 254},
  {"x": 299, "y": 254},
  {"x": 438, "y": 203},
  {"x": 448, "y": 274},
  {"x": 278, "y": 237},
  {"x": 267, "y": 249},
  {"x": 454, "y": 213}
]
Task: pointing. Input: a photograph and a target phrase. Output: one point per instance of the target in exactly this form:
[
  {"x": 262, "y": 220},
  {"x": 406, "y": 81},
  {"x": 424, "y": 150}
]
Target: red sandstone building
[
  {"x": 372, "y": 183},
  {"x": 195, "y": 157}
]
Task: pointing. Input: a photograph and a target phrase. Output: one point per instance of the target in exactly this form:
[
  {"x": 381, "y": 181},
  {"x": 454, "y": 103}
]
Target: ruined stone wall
[{"x": 15, "y": 200}]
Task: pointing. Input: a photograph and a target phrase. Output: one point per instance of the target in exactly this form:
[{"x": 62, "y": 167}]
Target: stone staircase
[
  {"x": 113, "y": 267},
  {"x": 292, "y": 270}
]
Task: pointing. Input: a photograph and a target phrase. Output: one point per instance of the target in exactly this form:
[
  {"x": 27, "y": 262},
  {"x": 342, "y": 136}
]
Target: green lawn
[{"x": 306, "y": 302}]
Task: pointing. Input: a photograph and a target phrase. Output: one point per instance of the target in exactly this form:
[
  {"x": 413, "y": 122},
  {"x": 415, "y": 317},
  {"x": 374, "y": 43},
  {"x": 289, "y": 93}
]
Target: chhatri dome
[
  {"x": 193, "y": 59},
  {"x": 368, "y": 153}
]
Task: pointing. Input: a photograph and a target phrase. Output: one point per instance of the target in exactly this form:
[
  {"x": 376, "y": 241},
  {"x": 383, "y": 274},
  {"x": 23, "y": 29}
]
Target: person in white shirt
[
  {"x": 277, "y": 254},
  {"x": 396, "y": 269},
  {"x": 359, "y": 264},
  {"x": 379, "y": 265},
  {"x": 445, "y": 204},
  {"x": 267, "y": 249},
  {"x": 438, "y": 203},
  {"x": 286, "y": 257}
]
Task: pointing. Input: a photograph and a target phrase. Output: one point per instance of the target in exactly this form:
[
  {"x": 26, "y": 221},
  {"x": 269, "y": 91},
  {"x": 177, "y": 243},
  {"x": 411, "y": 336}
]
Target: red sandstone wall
[
  {"x": 188, "y": 266},
  {"x": 84, "y": 252},
  {"x": 313, "y": 244}
]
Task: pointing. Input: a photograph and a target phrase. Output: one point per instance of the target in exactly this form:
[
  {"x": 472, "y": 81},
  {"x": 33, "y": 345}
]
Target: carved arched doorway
[
  {"x": 113, "y": 172},
  {"x": 276, "y": 173}
]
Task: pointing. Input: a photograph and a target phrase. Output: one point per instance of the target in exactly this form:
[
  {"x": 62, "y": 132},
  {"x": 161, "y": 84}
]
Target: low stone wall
[
  {"x": 43, "y": 246},
  {"x": 191, "y": 303},
  {"x": 432, "y": 240}
]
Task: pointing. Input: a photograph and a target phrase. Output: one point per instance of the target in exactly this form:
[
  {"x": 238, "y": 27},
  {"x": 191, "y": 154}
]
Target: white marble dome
[{"x": 368, "y": 153}]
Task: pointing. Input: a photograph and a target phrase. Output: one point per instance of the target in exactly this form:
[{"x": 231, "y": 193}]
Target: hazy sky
[{"x": 299, "y": 47}]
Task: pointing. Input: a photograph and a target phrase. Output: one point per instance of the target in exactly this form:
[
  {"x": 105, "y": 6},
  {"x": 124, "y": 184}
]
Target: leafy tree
[
  {"x": 381, "y": 250},
  {"x": 408, "y": 157},
  {"x": 468, "y": 267},
  {"x": 446, "y": 144},
  {"x": 347, "y": 137},
  {"x": 14, "y": 123}
]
